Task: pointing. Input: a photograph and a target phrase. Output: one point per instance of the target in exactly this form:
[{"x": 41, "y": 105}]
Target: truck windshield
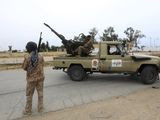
[{"x": 122, "y": 49}]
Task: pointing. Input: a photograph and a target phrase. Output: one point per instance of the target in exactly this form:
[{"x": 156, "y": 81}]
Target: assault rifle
[{"x": 39, "y": 43}]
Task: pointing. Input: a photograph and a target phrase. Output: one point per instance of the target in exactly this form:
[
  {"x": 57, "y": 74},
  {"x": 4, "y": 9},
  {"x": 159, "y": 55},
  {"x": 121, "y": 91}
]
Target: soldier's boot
[
  {"x": 40, "y": 104},
  {"x": 28, "y": 107},
  {"x": 27, "y": 113}
]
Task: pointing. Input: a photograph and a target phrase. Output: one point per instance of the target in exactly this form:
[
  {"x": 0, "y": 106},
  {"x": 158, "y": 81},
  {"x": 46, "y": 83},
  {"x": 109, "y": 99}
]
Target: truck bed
[{"x": 65, "y": 61}]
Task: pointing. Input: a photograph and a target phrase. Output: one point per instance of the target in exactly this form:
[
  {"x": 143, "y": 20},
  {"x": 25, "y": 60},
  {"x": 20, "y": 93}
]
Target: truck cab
[{"x": 114, "y": 58}]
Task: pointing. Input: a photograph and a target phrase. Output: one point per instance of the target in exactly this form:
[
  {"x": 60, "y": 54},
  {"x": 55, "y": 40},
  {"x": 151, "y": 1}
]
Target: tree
[
  {"x": 10, "y": 48},
  {"x": 142, "y": 47},
  {"x": 79, "y": 38},
  {"x": 43, "y": 47},
  {"x": 93, "y": 32},
  {"x": 47, "y": 46},
  {"x": 109, "y": 35},
  {"x": 133, "y": 35},
  {"x": 53, "y": 48}
]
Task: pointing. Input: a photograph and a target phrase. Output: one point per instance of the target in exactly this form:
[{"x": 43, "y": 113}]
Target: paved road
[{"x": 60, "y": 92}]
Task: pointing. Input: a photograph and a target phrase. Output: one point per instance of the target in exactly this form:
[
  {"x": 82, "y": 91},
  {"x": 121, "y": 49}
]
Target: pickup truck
[{"x": 110, "y": 58}]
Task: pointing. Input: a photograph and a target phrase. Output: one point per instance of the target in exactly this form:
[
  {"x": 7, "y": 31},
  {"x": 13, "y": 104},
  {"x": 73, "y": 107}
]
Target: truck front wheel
[
  {"x": 149, "y": 75},
  {"x": 76, "y": 73}
]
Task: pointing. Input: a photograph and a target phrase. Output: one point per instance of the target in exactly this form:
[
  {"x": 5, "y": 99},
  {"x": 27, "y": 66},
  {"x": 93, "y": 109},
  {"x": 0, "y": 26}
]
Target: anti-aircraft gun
[{"x": 70, "y": 45}]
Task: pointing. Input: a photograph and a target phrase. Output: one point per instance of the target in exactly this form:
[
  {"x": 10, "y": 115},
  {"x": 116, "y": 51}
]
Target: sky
[{"x": 22, "y": 21}]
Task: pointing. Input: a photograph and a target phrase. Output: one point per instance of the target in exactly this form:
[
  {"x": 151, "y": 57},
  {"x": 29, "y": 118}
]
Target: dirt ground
[
  {"x": 19, "y": 66},
  {"x": 141, "y": 105},
  {"x": 21, "y": 54},
  {"x": 13, "y": 60}
]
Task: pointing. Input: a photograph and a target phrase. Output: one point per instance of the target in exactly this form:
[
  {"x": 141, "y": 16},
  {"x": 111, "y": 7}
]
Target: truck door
[{"x": 114, "y": 61}]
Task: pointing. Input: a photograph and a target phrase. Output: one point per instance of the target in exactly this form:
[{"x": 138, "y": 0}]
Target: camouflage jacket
[
  {"x": 89, "y": 45},
  {"x": 38, "y": 72}
]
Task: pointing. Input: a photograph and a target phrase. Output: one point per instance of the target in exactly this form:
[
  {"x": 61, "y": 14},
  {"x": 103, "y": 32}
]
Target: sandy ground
[
  {"x": 16, "y": 63},
  {"x": 14, "y": 60},
  {"x": 142, "y": 105},
  {"x": 21, "y": 54}
]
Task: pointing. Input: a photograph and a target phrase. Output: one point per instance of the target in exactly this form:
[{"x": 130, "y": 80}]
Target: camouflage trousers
[
  {"x": 81, "y": 50},
  {"x": 30, "y": 88}
]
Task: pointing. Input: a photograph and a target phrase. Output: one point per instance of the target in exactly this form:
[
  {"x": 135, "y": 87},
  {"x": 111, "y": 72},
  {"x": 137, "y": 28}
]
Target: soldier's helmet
[{"x": 31, "y": 46}]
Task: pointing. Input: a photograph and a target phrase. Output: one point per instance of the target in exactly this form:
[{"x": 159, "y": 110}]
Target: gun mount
[{"x": 70, "y": 45}]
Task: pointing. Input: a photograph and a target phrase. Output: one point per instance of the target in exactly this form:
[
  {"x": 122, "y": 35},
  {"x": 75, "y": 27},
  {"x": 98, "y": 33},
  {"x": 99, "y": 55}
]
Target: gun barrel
[{"x": 60, "y": 36}]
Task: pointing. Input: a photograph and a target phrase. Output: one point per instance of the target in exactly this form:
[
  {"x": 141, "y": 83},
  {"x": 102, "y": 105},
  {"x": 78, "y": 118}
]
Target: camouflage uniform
[
  {"x": 34, "y": 81},
  {"x": 85, "y": 49}
]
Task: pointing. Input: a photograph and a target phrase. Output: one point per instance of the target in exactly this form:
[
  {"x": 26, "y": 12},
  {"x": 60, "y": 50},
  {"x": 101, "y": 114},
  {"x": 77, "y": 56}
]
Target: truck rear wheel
[
  {"x": 149, "y": 75},
  {"x": 76, "y": 73}
]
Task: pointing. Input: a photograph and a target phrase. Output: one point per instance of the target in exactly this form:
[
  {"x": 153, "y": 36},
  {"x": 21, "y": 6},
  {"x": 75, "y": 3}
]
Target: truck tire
[
  {"x": 76, "y": 73},
  {"x": 149, "y": 75}
]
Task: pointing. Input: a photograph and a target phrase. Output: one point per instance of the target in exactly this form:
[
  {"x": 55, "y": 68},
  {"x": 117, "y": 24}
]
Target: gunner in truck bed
[{"x": 86, "y": 48}]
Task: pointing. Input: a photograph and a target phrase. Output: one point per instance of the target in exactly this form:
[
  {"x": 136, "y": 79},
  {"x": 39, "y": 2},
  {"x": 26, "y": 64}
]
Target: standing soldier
[
  {"x": 33, "y": 65},
  {"x": 86, "y": 48}
]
